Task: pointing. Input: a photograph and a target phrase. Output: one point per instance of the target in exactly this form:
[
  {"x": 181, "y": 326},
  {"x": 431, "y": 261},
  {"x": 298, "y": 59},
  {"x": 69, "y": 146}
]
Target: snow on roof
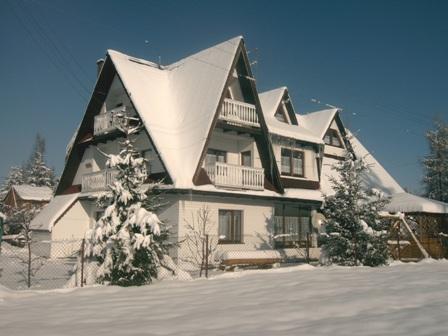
[
  {"x": 51, "y": 213},
  {"x": 317, "y": 122},
  {"x": 29, "y": 193},
  {"x": 176, "y": 102},
  {"x": 377, "y": 177},
  {"x": 406, "y": 202},
  {"x": 270, "y": 100}
]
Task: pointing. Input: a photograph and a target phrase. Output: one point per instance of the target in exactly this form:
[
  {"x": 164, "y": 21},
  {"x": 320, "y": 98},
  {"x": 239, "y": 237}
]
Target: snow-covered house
[
  {"x": 431, "y": 217},
  {"x": 19, "y": 196},
  {"x": 215, "y": 142}
]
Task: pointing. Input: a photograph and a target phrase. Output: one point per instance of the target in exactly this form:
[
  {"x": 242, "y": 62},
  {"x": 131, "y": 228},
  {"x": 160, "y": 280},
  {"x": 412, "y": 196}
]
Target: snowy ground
[{"x": 403, "y": 299}]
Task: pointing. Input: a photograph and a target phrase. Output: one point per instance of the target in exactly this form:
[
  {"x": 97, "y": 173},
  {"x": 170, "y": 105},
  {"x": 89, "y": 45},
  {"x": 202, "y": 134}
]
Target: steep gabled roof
[
  {"x": 177, "y": 102},
  {"x": 52, "y": 212},
  {"x": 376, "y": 177},
  {"x": 30, "y": 193},
  {"x": 318, "y": 122},
  {"x": 406, "y": 202},
  {"x": 270, "y": 102}
]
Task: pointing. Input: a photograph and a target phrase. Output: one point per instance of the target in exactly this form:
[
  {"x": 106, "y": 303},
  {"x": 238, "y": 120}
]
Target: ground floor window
[
  {"x": 230, "y": 226},
  {"x": 292, "y": 225}
]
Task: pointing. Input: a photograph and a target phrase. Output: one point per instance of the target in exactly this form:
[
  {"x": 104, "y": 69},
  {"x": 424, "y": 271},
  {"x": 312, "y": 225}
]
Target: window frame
[
  {"x": 216, "y": 152},
  {"x": 234, "y": 239},
  {"x": 302, "y": 229},
  {"x": 291, "y": 173},
  {"x": 332, "y": 133},
  {"x": 250, "y": 156}
]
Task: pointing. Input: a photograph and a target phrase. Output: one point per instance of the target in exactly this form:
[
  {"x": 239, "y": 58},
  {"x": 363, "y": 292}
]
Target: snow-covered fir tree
[
  {"x": 36, "y": 171},
  {"x": 436, "y": 163},
  {"x": 127, "y": 241},
  {"x": 355, "y": 234}
]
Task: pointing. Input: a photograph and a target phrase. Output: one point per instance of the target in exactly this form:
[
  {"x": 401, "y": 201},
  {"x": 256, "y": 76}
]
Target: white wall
[
  {"x": 93, "y": 160},
  {"x": 234, "y": 145},
  {"x": 74, "y": 223}
]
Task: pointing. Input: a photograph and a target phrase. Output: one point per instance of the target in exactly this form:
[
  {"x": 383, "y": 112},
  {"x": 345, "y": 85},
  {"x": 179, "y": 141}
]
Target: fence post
[
  {"x": 398, "y": 242},
  {"x": 82, "y": 262},
  {"x": 206, "y": 255},
  {"x": 307, "y": 247}
]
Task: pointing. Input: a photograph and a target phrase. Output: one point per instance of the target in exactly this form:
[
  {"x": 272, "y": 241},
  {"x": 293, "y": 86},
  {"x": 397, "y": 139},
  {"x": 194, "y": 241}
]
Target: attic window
[
  {"x": 332, "y": 138},
  {"x": 280, "y": 115}
]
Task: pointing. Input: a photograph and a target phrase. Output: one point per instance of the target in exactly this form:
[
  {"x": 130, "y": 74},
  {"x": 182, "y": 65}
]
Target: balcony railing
[
  {"x": 239, "y": 113},
  {"x": 98, "y": 181},
  {"x": 234, "y": 176},
  {"x": 109, "y": 121}
]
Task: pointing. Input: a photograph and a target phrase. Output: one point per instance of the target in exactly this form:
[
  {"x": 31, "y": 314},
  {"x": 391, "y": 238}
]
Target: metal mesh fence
[{"x": 48, "y": 264}]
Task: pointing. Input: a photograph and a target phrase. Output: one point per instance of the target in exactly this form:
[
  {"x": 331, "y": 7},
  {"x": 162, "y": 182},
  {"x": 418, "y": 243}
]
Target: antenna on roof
[
  {"x": 160, "y": 62},
  {"x": 254, "y": 62}
]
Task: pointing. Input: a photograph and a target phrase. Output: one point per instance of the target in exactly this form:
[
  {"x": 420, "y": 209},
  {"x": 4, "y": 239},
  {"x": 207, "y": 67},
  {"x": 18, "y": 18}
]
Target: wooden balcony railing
[
  {"x": 107, "y": 122},
  {"x": 239, "y": 113},
  {"x": 98, "y": 181},
  {"x": 234, "y": 176}
]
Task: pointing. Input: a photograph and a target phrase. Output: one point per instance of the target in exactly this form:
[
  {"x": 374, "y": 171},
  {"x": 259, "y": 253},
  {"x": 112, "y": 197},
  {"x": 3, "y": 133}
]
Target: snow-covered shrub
[{"x": 355, "y": 234}]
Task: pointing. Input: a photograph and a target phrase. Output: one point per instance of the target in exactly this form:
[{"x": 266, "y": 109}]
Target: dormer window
[
  {"x": 280, "y": 115},
  {"x": 332, "y": 138}
]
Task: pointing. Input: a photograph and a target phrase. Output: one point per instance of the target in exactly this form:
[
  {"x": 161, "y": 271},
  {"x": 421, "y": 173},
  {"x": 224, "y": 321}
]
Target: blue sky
[{"x": 384, "y": 62}]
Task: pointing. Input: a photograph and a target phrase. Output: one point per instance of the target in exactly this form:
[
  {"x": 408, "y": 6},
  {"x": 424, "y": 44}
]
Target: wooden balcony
[
  {"x": 108, "y": 122},
  {"x": 234, "y": 176},
  {"x": 239, "y": 113},
  {"x": 98, "y": 181}
]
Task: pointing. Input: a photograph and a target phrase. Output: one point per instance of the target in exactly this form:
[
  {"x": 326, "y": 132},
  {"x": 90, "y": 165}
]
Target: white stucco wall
[
  {"x": 75, "y": 222},
  {"x": 234, "y": 145}
]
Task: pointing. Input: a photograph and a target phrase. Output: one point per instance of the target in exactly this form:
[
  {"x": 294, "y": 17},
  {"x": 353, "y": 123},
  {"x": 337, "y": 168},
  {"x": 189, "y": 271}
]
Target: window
[
  {"x": 280, "y": 115},
  {"x": 332, "y": 138},
  {"x": 292, "y": 225},
  {"x": 214, "y": 155},
  {"x": 246, "y": 159},
  {"x": 230, "y": 226},
  {"x": 292, "y": 162}
]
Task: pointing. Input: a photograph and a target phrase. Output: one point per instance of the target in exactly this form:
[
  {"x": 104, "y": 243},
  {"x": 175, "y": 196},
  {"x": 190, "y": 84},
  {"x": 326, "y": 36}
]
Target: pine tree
[
  {"x": 127, "y": 241},
  {"x": 36, "y": 171},
  {"x": 436, "y": 163},
  {"x": 355, "y": 235}
]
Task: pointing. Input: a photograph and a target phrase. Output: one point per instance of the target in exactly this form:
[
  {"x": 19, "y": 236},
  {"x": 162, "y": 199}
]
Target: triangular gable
[
  {"x": 318, "y": 122},
  {"x": 178, "y": 105},
  {"x": 241, "y": 63},
  {"x": 84, "y": 133},
  {"x": 270, "y": 102}
]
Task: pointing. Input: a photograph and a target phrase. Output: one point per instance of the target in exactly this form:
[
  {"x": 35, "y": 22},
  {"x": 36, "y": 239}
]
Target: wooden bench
[{"x": 229, "y": 260}]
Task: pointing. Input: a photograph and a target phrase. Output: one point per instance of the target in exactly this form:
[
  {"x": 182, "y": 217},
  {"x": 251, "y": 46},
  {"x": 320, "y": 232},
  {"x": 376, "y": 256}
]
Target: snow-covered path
[{"x": 405, "y": 299}]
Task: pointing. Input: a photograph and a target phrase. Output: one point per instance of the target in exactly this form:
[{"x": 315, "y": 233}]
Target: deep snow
[{"x": 403, "y": 299}]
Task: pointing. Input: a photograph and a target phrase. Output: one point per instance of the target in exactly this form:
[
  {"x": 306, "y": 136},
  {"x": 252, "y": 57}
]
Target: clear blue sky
[{"x": 384, "y": 62}]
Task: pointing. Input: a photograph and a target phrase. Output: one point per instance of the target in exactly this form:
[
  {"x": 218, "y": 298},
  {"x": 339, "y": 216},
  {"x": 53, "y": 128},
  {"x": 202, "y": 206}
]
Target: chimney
[{"x": 99, "y": 66}]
